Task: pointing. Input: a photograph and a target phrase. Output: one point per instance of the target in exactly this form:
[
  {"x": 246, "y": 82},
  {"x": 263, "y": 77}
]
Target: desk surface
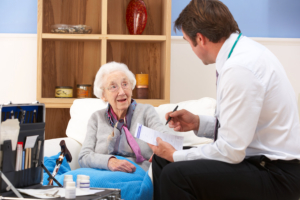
[{"x": 99, "y": 195}]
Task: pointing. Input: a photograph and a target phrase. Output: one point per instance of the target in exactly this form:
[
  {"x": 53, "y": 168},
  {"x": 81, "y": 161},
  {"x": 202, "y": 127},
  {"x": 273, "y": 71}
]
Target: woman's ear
[{"x": 104, "y": 99}]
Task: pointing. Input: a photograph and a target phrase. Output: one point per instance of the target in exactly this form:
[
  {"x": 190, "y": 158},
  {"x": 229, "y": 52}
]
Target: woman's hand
[
  {"x": 150, "y": 160},
  {"x": 115, "y": 164},
  {"x": 183, "y": 120}
]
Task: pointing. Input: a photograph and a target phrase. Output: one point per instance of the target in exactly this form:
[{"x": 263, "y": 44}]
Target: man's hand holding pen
[{"x": 183, "y": 120}]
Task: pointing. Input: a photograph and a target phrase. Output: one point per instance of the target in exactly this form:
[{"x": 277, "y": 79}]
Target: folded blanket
[{"x": 133, "y": 186}]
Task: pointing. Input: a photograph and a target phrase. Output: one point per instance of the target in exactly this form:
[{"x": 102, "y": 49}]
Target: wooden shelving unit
[{"x": 71, "y": 59}]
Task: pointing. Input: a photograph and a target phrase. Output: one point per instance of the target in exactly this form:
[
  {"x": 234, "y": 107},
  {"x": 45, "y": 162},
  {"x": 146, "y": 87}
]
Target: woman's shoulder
[
  {"x": 98, "y": 115},
  {"x": 144, "y": 107}
]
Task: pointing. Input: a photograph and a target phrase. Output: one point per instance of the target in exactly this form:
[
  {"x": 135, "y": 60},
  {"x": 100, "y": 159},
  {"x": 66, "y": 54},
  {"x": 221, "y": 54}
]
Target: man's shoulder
[{"x": 251, "y": 56}]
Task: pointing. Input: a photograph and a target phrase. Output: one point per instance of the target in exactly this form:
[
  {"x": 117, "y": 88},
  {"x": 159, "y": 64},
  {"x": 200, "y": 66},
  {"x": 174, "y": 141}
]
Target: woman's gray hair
[{"x": 107, "y": 69}]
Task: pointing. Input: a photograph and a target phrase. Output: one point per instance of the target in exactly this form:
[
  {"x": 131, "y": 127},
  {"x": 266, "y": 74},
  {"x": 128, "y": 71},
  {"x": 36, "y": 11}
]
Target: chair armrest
[{"x": 52, "y": 147}]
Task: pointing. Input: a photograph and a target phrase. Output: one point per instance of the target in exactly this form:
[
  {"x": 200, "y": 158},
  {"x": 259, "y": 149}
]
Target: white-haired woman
[{"x": 110, "y": 131}]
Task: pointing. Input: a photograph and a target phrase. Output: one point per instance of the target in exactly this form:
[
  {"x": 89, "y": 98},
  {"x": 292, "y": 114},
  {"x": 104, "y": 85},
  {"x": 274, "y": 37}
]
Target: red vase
[{"x": 136, "y": 17}]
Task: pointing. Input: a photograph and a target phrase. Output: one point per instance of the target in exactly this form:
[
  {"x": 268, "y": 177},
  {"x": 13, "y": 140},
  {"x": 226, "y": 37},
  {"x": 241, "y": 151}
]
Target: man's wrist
[
  {"x": 171, "y": 159},
  {"x": 197, "y": 123}
]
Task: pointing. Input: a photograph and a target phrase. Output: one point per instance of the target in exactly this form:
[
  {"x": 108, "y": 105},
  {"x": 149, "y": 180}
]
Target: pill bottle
[
  {"x": 85, "y": 183},
  {"x": 79, "y": 177},
  {"x": 70, "y": 190},
  {"x": 67, "y": 178}
]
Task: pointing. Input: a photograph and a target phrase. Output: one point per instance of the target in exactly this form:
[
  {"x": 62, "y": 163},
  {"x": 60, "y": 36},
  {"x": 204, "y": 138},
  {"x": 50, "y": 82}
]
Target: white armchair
[{"x": 82, "y": 109}]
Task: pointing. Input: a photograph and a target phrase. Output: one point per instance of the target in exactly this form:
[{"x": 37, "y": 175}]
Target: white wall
[
  {"x": 190, "y": 79},
  {"x": 18, "y": 64}
]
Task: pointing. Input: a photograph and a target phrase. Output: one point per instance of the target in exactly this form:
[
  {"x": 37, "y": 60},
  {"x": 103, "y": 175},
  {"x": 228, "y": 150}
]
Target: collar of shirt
[{"x": 224, "y": 51}]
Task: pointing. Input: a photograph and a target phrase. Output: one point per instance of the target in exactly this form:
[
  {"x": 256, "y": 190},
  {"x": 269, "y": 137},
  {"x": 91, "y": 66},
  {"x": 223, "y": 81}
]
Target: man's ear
[{"x": 201, "y": 39}]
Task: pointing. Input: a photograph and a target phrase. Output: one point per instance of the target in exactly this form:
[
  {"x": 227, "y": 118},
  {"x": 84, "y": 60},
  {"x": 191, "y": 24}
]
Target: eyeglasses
[{"x": 115, "y": 87}]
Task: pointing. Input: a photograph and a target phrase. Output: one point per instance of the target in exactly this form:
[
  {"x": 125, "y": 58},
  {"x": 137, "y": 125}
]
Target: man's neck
[{"x": 215, "y": 49}]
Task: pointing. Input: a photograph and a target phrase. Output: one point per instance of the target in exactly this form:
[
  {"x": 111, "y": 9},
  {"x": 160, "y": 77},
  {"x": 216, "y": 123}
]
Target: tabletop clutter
[
  {"x": 22, "y": 135},
  {"x": 22, "y": 131},
  {"x": 83, "y": 183}
]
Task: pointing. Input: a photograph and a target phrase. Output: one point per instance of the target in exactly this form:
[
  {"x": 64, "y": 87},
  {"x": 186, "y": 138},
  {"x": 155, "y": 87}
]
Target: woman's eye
[{"x": 113, "y": 87}]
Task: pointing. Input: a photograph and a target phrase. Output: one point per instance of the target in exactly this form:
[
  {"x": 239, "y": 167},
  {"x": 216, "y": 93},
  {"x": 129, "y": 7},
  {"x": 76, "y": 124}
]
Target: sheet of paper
[
  {"x": 30, "y": 141},
  {"x": 10, "y": 129},
  {"x": 41, "y": 193},
  {"x": 149, "y": 135}
]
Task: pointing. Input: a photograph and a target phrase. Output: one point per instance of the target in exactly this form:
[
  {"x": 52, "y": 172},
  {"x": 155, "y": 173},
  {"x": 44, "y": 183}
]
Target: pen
[
  {"x": 171, "y": 117},
  {"x": 30, "y": 117},
  {"x": 12, "y": 116},
  {"x": 26, "y": 117},
  {"x": 38, "y": 153},
  {"x": 23, "y": 116},
  {"x": 23, "y": 160},
  {"x": 34, "y": 116}
]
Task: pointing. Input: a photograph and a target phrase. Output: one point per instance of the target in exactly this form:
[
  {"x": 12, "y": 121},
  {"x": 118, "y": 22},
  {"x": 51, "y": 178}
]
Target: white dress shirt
[{"x": 256, "y": 108}]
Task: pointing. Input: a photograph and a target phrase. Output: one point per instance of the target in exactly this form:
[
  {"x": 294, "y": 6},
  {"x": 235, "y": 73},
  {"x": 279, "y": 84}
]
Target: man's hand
[
  {"x": 115, "y": 164},
  {"x": 183, "y": 120},
  {"x": 163, "y": 150}
]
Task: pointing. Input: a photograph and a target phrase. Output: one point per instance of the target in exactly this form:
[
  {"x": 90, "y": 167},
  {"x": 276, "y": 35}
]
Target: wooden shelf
[
  {"x": 53, "y": 36},
  {"x": 67, "y": 103},
  {"x": 71, "y": 59}
]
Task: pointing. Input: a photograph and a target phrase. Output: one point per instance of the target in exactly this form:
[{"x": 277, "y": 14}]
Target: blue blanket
[{"x": 133, "y": 186}]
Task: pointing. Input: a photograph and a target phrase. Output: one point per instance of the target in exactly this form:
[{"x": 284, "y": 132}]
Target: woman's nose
[{"x": 121, "y": 91}]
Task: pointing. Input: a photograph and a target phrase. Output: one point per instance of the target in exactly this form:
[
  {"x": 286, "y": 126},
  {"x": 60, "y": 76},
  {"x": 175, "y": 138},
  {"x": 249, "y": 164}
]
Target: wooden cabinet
[{"x": 71, "y": 59}]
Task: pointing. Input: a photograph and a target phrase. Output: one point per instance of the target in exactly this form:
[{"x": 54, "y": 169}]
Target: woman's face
[{"x": 117, "y": 91}]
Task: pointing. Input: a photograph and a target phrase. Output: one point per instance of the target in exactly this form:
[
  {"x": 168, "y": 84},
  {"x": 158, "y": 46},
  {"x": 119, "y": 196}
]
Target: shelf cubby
[
  {"x": 116, "y": 17},
  {"x": 140, "y": 57},
  {"x": 73, "y": 12},
  {"x": 68, "y": 63}
]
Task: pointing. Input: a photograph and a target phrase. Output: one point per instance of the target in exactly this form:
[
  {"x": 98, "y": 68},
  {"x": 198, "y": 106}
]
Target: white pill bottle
[
  {"x": 67, "y": 178},
  {"x": 79, "y": 178},
  {"x": 70, "y": 190},
  {"x": 85, "y": 183}
]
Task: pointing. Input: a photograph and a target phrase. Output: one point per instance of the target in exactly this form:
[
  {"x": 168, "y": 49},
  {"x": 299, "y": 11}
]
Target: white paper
[
  {"x": 30, "y": 141},
  {"x": 41, "y": 193},
  {"x": 10, "y": 129},
  {"x": 149, "y": 135}
]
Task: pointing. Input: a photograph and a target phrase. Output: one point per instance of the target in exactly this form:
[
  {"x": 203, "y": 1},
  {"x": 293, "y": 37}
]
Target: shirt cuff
[
  {"x": 179, "y": 155},
  {"x": 206, "y": 127}
]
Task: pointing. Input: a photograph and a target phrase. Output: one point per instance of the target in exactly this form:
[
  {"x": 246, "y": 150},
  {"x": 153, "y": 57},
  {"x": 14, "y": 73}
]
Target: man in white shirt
[{"x": 256, "y": 151}]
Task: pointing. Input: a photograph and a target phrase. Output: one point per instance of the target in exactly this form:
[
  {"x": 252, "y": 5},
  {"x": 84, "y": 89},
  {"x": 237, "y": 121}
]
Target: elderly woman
[{"x": 110, "y": 131}]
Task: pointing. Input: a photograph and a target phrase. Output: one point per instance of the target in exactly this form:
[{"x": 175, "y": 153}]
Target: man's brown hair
[{"x": 211, "y": 18}]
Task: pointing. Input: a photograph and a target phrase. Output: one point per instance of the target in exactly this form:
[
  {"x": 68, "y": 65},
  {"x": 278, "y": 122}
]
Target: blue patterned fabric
[{"x": 134, "y": 186}]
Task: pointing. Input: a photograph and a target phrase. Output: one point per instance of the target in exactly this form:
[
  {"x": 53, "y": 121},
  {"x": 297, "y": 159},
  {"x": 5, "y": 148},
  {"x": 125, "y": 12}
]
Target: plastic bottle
[
  {"x": 85, "y": 183},
  {"x": 67, "y": 178},
  {"x": 70, "y": 190},
  {"x": 79, "y": 177}
]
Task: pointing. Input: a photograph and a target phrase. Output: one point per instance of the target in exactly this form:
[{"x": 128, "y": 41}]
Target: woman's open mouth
[{"x": 121, "y": 100}]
